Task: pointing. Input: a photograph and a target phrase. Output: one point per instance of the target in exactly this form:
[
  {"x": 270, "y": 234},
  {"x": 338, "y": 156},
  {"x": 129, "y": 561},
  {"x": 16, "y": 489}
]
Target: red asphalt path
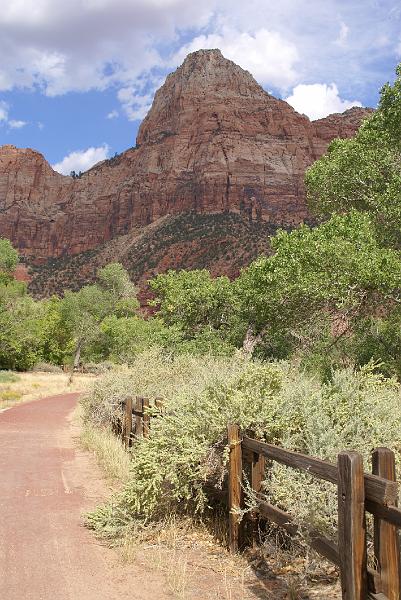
[{"x": 45, "y": 552}]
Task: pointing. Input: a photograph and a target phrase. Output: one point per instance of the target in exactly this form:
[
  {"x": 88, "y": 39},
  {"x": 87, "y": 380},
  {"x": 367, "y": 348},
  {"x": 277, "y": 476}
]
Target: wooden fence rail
[{"x": 357, "y": 493}]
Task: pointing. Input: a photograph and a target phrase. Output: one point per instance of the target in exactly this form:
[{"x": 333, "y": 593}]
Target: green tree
[
  {"x": 83, "y": 311},
  {"x": 9, "y": 257},
  {"x": 365, "y": 172},
  {"x": 123, "y": 338},
  {"x": 317, "y": 275},
  {"x": 193, "y": 300}
]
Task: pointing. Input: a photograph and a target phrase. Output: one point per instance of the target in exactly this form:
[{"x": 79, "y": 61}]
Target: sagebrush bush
[
  {"x": 186, "y": 452},
  {"x": 154, "y": 374}
]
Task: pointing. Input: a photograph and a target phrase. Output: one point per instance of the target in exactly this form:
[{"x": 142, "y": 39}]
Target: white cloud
[
  {"x": 81, "y": 45},
  {"x": 57, "y": 47},
  {"x": 15, "y": 124},
  {"x": 266, "y": 54},
  {"x": 113, "y": 114},
  {"x": 135, "y": 103},
  {"x": 81, "y": 160},
  {"x": 318, "y": 100},
  {"x": 3, "y": 111}
]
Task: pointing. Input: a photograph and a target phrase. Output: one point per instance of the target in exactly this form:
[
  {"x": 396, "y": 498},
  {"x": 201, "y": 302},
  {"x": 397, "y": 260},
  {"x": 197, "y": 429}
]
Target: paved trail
[{"x": 45, "y": 485}]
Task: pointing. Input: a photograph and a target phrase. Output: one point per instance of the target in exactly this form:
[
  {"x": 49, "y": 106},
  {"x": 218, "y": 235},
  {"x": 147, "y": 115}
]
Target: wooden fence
[
  {"x": 136, "y": 418},
  {"x": 357, "y": 492}
]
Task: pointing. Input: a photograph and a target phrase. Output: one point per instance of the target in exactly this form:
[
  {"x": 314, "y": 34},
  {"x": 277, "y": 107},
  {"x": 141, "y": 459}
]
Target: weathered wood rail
[{"x": 357, "y": 492}]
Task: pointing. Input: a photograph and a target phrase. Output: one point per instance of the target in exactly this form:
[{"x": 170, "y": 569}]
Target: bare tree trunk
[
  {"x": 251, "y": 341},
  {"x": 77, "y": 356}
]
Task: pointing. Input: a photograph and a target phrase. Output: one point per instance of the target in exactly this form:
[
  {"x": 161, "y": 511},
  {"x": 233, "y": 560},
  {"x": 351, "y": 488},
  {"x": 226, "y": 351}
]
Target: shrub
[
  {"x": 46, "y": 367},
  {"x": 184, "y": 455},
  {"x": 153, "y": 373},
  {"x": 9, "y": 397},
  {"x": 98, "y": 368}
]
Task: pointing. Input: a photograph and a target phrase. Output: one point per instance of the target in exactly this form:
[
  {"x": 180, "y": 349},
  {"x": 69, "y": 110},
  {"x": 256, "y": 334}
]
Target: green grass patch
[{"x": 8, "y": 377}]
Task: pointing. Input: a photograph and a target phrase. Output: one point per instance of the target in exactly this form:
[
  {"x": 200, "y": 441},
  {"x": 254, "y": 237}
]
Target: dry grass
[
  {"x": 35, "y": 385},
  {"x": 108, "y": 450},
  {"x": 194, "y": 564}
]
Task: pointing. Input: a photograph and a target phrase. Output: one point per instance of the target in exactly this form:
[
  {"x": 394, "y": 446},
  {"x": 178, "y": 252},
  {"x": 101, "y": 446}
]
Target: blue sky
[{"x": 77, "y": 77}]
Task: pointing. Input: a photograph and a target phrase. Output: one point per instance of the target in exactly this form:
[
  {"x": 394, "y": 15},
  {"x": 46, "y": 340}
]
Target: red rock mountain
[{"x": 213, "y": 143}]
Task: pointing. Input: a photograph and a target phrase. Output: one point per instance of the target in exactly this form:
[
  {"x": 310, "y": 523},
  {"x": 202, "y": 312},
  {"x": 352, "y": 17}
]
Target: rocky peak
[
  {"x": 204, "y": 79},
  {"x": 210, "y": 70}
]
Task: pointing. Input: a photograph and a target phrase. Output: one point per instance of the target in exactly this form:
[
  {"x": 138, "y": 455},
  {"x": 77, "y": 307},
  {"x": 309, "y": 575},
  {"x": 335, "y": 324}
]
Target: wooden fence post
[
  {"x": 146, "y": 417},
  {"x": 257, "y": 476},
  {"x": 234, "y": 485},
  {"x": 352, "y": 526},
  {"x": 139, "y": 417},
  {"x": 386, "y": 540},
  {"x": 127, "y": 428}
]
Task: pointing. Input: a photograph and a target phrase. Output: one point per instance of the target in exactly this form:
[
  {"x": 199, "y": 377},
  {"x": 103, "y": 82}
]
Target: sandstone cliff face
[{"x": 213, "y": 142}]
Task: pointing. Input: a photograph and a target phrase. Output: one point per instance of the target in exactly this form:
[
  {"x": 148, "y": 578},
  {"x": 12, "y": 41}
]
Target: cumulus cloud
[
  {"x": 56, "y": 47},
  {"x": 81, "y": 160},
  {"x": 112, "y": 114},
  {"x": 318, "y": 100},
  {"x": 134, "y": 103},
  {"x": 266, "y": 54}
]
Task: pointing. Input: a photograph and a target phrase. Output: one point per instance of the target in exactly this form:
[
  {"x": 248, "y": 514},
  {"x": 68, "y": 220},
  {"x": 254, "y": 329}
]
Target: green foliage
[
  {"x": 364, "y": 172},
  {"x": 338, "y": 267},
  {"x": 115, "y": 279},
  {"x": 193, "y": 300},
  {"x": 123, "y": 338},
  {"x": 83, "y": 312},
  {"x": 185, "y": 455},
  {"x": 8, "y": 256},
  {"x": 20, "y": 334}
]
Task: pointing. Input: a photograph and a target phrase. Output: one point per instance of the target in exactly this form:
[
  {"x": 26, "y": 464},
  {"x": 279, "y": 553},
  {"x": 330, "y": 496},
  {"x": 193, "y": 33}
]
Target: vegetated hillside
[{"x": 222, "y": 243}]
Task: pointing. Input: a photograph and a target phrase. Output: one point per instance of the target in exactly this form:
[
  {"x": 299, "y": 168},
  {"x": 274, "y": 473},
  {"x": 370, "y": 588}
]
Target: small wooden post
[
  {"x": 257, "y": 476},
  {"x": 139, "y": 417},
  {"x": 234, "y": 485},
  {"x": 127, "y": 429},
  {"x": 146, "y": 417},
  {"x": 352, "y": 526},
  {"x": 386, "y": 540}
]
